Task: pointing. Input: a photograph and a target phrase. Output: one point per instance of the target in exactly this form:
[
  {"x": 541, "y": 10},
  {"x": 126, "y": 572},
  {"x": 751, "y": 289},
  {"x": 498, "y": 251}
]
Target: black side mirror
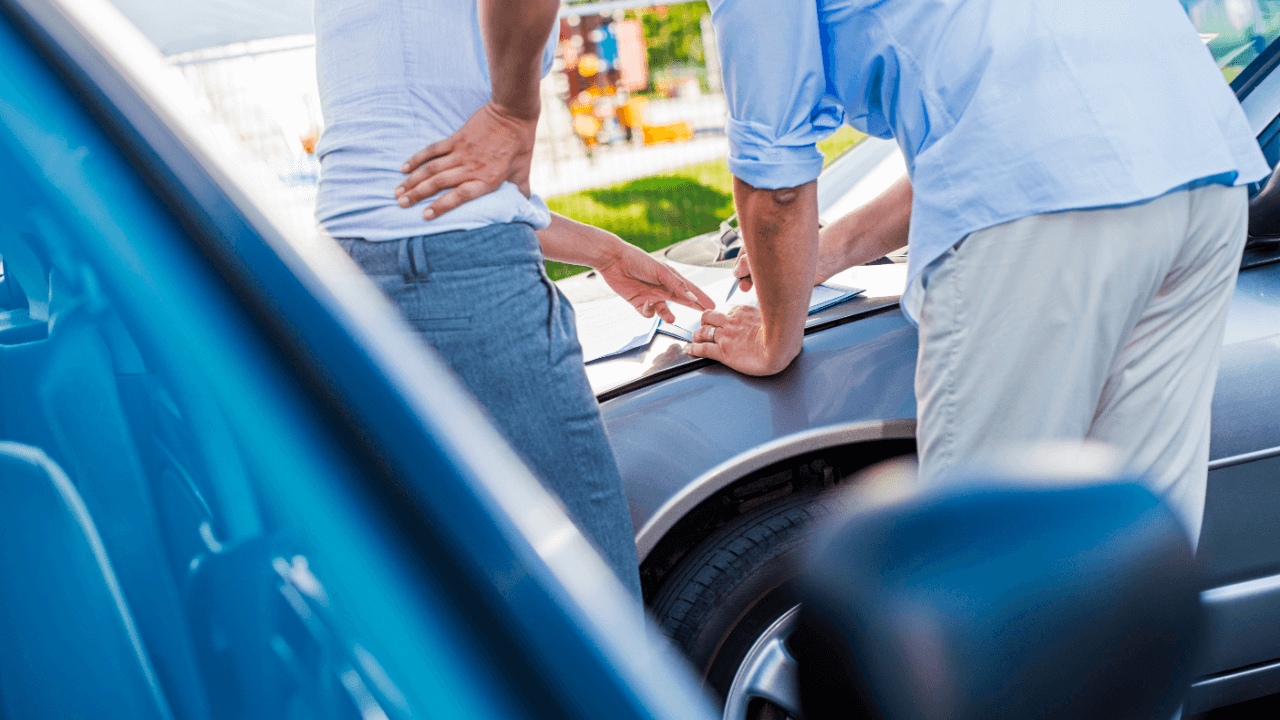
[
  {"x": 994, "y": 600},
  {"x": 1264, "y": 212}
]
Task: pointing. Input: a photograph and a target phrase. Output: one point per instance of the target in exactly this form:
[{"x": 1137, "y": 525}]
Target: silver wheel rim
[{"x": 768, "y": 672}]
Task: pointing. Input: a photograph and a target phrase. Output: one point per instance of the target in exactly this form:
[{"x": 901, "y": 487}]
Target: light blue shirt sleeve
[
  {"x": 775, "y": 83},
  {"x": 549, "y": 52}
]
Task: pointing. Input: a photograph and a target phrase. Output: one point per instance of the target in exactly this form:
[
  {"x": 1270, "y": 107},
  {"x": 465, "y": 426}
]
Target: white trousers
[{"x": 1087, "y": 325}]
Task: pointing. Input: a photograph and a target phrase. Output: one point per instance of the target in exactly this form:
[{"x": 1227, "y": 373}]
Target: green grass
[
  {"x": 656, "y": 211},
  {"x": 840, "y": 142}
]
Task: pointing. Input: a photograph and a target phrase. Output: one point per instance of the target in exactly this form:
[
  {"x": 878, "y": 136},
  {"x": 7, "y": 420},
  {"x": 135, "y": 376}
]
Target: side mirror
[
  {"x": 1264, "y": 212},
  {"x": 997, "y": 600}
]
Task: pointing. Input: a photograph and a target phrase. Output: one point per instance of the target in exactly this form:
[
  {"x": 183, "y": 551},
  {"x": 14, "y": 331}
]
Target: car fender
[{"x": 680, "y": 441}]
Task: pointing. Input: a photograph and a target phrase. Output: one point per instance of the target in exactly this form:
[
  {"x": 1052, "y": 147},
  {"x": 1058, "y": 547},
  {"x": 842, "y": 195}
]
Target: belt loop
[
  {"x": 418, "y": 258},
  {"x": 412, "y": 260},
  {"x": 404, "y": 261}
]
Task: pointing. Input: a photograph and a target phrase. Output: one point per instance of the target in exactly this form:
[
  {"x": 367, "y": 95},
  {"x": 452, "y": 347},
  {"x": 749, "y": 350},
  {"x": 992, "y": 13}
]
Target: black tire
[{"x": 730, "y": 588}]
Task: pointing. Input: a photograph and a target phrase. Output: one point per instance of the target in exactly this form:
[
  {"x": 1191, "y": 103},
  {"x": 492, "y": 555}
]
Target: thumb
[{"x": 519, "y": 174}]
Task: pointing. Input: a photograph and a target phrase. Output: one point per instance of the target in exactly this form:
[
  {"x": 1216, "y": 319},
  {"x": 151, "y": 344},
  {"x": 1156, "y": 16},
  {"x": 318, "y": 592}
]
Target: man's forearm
[
  {"x": 780, "y": 231},
  {"x": 515, "y": 33},
  {"x": 872, "y": 231},
  {"x": 569, "y": 241}
]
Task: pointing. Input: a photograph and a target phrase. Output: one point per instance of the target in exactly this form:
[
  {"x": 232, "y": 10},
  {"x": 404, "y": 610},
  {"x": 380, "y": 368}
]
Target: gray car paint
[{"x": 669, "y": 433}]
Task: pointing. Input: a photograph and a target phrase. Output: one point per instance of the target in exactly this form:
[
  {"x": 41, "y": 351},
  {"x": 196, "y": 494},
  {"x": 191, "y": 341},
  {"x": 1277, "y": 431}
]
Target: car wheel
[{"x": 731, "y": 605}]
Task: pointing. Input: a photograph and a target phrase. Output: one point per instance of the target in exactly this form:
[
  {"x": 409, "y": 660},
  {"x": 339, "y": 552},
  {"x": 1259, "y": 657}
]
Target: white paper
[
  {"x": 611, "y": 326},
  {"x": 824, "y": 296},
  {"x": 688, "y": 320},
  {"x": 879, "y": 280}
]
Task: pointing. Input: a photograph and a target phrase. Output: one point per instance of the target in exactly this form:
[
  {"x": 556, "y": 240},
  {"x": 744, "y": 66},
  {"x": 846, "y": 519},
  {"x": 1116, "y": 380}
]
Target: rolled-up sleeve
[{"x": 775, "y": 85}]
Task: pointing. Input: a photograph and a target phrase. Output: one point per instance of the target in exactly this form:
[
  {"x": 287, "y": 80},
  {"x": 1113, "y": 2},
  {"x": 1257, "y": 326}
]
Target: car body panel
[
  {"x": 851, "y": 380},
  {"x": 1245, "y": 396}
]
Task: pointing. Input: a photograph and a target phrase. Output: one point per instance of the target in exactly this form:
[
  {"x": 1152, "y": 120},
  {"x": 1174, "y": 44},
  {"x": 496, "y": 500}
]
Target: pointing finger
[
  {"x": 703, "y": 299},
  {"x": 664, "y": 312},
  {"x": 684, "y": 292}
]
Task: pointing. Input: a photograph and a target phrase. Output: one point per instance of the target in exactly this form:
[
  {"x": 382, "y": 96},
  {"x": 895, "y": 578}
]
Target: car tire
[{"x": 735, "y": 587}]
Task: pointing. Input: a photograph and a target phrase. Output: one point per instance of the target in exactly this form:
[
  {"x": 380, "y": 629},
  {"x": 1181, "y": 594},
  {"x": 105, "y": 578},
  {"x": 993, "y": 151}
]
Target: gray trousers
[
  {"x": 1089, "y": 325},
  {"x": 482, "y": 299}
]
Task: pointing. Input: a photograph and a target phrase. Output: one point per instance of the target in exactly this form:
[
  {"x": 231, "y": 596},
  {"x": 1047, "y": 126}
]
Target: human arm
[
  {"x": 641, "y": 280},
  {"x": 872, "y": 231},
  {"x": 495, "y": 144},
  {"x": 775, "y": 85},
  {"x": 780, "y": 231}
]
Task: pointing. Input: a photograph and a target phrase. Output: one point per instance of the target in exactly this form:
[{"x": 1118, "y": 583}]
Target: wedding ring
[{"x": 711, "y": 334}]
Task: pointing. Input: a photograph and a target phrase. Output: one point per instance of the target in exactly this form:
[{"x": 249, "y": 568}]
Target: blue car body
[{"x": 234, "y": 485}]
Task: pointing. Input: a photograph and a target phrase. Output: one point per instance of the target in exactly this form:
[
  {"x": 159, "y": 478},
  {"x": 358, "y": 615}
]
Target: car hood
[{"x": 665, "y": 356}]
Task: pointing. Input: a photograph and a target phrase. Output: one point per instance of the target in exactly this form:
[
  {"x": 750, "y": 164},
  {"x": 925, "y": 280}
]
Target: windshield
[{"x": 1236, "y": 31}]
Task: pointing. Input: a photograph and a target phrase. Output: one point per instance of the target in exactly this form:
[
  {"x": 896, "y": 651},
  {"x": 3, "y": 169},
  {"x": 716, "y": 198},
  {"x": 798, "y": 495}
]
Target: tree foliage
[{"x": 673, "y": 33}]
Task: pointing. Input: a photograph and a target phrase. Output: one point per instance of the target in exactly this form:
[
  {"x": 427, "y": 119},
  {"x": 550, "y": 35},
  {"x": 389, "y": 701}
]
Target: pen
[{"x": 734, "y": 287}]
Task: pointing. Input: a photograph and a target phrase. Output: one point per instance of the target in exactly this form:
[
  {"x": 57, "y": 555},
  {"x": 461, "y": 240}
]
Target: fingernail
[
  {"x": 404, "y": 202},
  {"x": 404, "y": 168},
  {"x": 691, "y": 297},
  {"x": 428, "y": 214},
  {"x": 399, "y": 191}
]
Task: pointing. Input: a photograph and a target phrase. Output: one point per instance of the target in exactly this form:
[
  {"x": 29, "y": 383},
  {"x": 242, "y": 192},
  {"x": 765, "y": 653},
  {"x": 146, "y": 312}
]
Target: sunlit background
[{"x": 631, "y": 136}]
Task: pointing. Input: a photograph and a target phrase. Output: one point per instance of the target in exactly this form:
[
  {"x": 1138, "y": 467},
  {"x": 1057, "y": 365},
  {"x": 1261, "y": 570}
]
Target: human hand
[
  {"x": 737, "y": 339},
  {"x": 491, "y": 147},
  {"x": 649, "y": 285}
]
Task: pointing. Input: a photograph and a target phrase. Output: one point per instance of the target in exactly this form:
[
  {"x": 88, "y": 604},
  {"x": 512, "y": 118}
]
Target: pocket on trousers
[
  {"x": 562, "y": 332},
  {"x": 441, "y": 323}
]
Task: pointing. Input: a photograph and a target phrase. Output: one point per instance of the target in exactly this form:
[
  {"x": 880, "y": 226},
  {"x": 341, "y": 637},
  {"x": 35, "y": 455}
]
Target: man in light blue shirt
[{"x": 1073, "y": 211}]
